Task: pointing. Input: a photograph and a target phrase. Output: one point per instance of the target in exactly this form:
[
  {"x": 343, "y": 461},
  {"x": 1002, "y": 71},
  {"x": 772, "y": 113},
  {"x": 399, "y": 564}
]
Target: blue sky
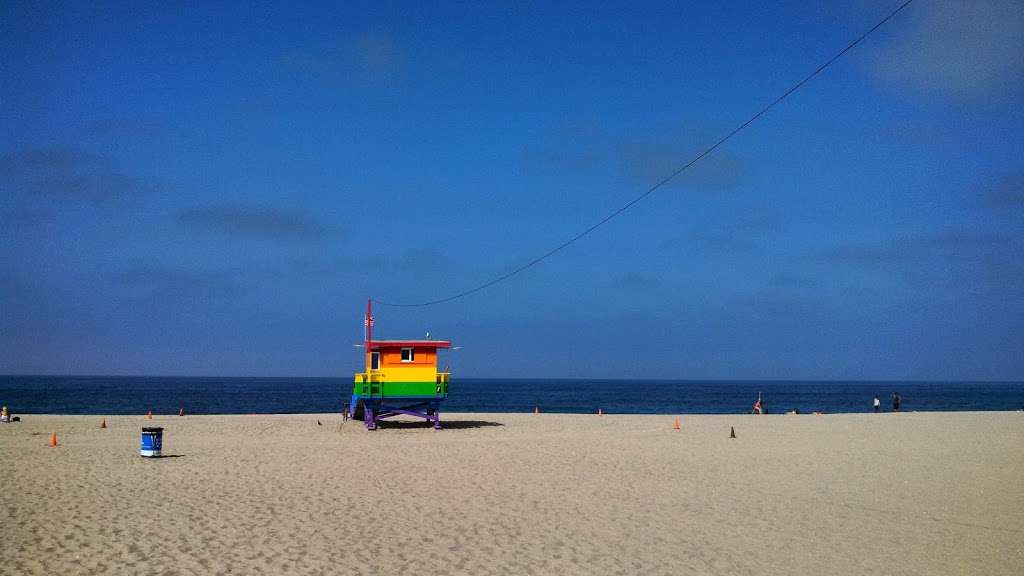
[{"x": 213, "y": 190}]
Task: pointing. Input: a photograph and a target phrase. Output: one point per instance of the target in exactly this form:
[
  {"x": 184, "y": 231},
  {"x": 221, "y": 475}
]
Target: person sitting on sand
[{"x": 5, "y": 416}]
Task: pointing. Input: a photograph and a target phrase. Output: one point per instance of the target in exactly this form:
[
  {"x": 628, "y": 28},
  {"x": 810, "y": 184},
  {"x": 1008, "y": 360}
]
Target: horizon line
[{"x": 506, "y": 378}]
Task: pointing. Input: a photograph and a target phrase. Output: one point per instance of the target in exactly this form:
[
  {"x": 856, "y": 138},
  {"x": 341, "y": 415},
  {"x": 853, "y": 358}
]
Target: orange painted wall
[{"x": 392, "y": 357}]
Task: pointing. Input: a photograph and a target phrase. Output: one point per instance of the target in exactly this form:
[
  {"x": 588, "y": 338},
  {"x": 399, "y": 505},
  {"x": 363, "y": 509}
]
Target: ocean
[{"x": 165, "y": 395}]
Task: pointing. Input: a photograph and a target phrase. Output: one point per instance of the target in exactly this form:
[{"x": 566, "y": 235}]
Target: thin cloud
[
  {"x": 253, "y": 222},
  {"x": 12, "y": 288},
  {"x": 778, "y": 302},
  {"x": 968, "y": 51},
  {"x": 915, "y": 133},
  {"x": 30, "y": 160},
  {"x": 302, "y": 269},
  {"x": 183, "y": 283},
  {"x": 576, "y": 146},
  {"x": 901, "y": 249},
  {"x": 954, "y": 260},
  {"x": 746, "y": 233},
  {"x": 367, "y": 57},
  {"x": 378, "y": 54},
  {"x": 649, "y": 160},
  {"x": 66, "y": 173},
  {"x": 104, "y": 186},
  {"x": 1007, "y": 193},
  {"x": 24, "y": 217},
  {"x": 121, "y": 127},
  {"x": 583, "y": 146},
  {"x": 636, "y": 282}
]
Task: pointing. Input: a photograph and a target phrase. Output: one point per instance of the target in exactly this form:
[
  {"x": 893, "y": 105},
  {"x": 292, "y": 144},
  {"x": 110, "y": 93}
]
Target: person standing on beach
[
  {"x": 896, "y": 401},
  {"x": 758, "y": 406},
  {"x": 877, "y": 403}
]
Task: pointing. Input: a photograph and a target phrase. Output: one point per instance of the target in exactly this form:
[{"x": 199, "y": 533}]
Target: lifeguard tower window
[
  {"x": 407, "y": 354},
  {"x": 375, "y": 361}
]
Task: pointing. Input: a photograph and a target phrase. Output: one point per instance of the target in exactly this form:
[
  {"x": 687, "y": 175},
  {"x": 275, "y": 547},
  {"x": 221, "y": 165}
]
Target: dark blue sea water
[{"x": 165, "y": 395}]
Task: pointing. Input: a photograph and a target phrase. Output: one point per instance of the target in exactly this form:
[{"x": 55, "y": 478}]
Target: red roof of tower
[{"x": 410, "y": 344}]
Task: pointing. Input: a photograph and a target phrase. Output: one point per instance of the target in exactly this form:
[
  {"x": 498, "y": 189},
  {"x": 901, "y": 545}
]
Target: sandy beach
[{"x": 909, "y": 493}]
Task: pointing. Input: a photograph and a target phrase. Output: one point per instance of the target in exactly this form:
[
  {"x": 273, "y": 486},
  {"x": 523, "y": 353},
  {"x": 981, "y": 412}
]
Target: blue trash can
[{"x": 152, "y": 441}]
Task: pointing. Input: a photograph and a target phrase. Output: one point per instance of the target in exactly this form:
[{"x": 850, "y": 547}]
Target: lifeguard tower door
[{"x": 376, "y": 385}]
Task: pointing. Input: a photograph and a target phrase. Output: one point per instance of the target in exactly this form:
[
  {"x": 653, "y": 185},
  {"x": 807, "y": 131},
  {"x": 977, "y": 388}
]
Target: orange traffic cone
[
  {"x": 103, "y": 424},
  {"x": 149, "y": 415},
  {"x": 675, "y": 425},
  {"x": 181, "y": 411},
  {"x": 53, "y": 439},
  {"x": 600, "y": 412},
  {"x": 732, "y": 432}
]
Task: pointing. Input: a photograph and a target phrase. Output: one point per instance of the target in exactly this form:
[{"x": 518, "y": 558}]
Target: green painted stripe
[{"x": 395, "y": 389}]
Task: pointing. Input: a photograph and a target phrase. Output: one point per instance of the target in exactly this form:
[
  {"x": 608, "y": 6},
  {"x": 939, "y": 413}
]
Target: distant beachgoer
[
  {"x": 758, "y": 406},
  {"x": 344, "y": 414},
  {"x": 896, "y": 401},
  {"x": 877, "y": 403},
  {"x": 5, "y": 416}
]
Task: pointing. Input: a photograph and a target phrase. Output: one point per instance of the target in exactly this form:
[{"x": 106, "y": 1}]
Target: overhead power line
[{"x": 661, "y": 182}]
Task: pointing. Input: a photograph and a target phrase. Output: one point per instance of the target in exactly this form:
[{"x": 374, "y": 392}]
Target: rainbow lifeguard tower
[{"x": 401, "y": 377}]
